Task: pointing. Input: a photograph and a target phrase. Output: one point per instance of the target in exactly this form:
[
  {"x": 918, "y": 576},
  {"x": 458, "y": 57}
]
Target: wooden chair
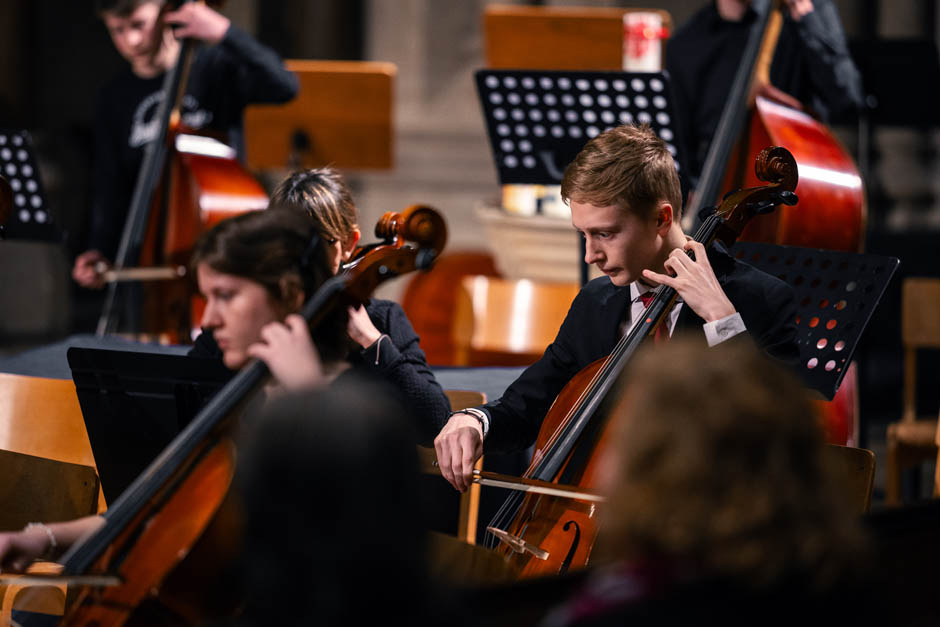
[
  {"x": 43, "y": 599},
  {"x": 48, "y": 470},
  {"x": 912, "y": 440},
  {"x": 41, "y": 417},
  {"x": 430, "y": 301},
  {"x": 856, "y": 473},
  {"x": 556, "y": 38},
  {"x": 469, "y": 500},
  {"x": 509, "y": 322}
]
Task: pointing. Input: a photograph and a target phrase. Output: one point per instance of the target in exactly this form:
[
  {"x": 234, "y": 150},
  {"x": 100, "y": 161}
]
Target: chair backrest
[
  {"x": 469, "y": 500},
  {"x": 513, "y": 321},
  {"x": 920, "y": 328},
  {"x": 856, "y": 470},
  {"x": 557, "y": 38},
  {"x": 41, "y": 417}
]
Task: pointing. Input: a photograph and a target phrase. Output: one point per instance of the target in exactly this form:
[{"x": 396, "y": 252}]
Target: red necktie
[{"x": 662, "y": 331}]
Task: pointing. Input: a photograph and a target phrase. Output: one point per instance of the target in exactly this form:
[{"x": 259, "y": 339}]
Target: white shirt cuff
[{"x": 726, "y": 328}]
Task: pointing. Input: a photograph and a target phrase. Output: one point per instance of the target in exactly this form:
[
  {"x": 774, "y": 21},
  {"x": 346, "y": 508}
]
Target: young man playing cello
[
  {"x": 230, "y": 72},
  {"x": 623, "y": 190}
]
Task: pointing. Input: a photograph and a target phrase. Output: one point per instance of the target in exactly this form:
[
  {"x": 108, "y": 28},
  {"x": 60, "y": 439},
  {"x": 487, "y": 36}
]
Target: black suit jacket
[{"x": 592, "y": 328}]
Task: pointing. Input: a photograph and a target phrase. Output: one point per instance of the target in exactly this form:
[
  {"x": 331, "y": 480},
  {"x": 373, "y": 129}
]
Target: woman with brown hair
[
  {"x": 254, "y": 270},
  {"x": 720, "y": 501},
  {"x": 384, "y": 344}
]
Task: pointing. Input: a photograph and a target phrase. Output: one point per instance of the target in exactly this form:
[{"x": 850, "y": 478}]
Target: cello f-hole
[{"x": 565, "y": 565}]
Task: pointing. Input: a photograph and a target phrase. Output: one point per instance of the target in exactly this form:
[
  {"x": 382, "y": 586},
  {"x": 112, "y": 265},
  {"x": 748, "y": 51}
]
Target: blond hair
[
  {"x": 321, "y": 194},
  {"x": 627, "y": 166}
]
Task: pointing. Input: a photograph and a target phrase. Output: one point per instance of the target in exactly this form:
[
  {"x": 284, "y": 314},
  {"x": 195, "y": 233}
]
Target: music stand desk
[
  {"x": 556, "y": 38},
  {"x": 836, "y": 293},
  {"x": 343, "y": 113}
]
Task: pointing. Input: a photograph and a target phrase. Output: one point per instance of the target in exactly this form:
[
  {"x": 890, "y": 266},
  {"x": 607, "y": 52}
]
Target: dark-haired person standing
[
  {"x": 230, "y": 70},
  {"x": 811, "y": 67}
]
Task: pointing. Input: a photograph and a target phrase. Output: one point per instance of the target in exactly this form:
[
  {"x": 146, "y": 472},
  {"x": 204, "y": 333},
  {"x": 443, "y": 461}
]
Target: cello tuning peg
[{"x": 788, "y": 198}]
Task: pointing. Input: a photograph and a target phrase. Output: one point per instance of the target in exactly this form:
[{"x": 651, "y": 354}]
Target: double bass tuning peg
[{"x": 787, "y": 198}]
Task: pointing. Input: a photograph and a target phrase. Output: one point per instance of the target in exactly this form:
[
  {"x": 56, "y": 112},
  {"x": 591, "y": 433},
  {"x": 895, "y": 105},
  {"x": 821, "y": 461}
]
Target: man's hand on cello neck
[
  {"x": 459, "y": 445},
  {"x": 695, "y": 281}
]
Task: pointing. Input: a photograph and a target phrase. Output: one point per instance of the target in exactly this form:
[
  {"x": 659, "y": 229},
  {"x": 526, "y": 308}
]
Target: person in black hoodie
[{"x": 229, "y": 71}]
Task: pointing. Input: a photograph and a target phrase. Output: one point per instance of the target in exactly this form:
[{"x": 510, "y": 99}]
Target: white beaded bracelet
[
  {"x": 50, "y": 548},
  {"x": 481, "y": 417}
]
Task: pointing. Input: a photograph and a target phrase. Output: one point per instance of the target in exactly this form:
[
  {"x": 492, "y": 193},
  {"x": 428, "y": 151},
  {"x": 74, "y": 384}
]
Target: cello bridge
[{"x": 518, "y": 545}]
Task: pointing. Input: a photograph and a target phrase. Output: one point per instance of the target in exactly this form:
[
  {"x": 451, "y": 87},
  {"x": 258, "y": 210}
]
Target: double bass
[
  {"x": 831, "y": 212},
  {"x": 170, "y": 534},
  {"x": 543, "y": 534},
  {"x": 187, "y": 182}
]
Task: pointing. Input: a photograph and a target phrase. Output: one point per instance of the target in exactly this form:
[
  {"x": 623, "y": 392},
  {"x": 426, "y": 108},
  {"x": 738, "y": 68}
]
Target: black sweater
[
  {"x": 811, "y": 63},
  {"x": 223, "y": 80},
  {"x": 400, "y": 363}
]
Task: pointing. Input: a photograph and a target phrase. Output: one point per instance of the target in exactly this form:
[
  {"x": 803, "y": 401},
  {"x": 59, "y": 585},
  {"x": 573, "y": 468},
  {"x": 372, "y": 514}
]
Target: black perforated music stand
[
  {"x": 30, "y": 217},
  {"x": 538, "y": 120},
  {"x": 836, "y": 294}
]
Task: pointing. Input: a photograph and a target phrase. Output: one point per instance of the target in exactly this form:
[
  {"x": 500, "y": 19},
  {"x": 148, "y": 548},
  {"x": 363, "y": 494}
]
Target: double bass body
[{"x": 203, "y": 183}]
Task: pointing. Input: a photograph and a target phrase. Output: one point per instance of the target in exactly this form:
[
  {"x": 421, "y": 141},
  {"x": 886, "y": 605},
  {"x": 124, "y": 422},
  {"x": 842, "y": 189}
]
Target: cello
[
  {"x": 542, "y": 534},
  {"x": 187, "y": 182},
  {"x": 180, "y": 507},
  {"x": 831, "y": 213}
]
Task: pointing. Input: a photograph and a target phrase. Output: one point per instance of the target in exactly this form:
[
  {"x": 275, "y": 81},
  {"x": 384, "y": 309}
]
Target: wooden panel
[
  {"x": 344, "y": 108},
  {"x": 556, "y": 38},
  {"x": 855, "y": 470},
  {"x": 40, "y": 489},
  {"x": 920, "y": 311}
]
